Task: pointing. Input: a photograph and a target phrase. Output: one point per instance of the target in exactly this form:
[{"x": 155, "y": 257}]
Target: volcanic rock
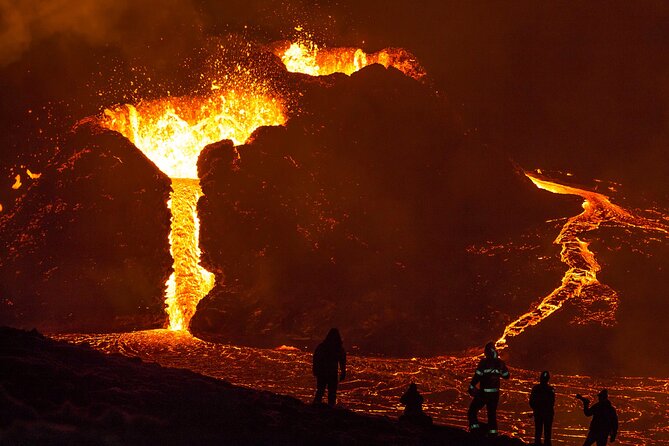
[
  {"x": 366, "y": 212},
  {"x": 86, "y": 244}
]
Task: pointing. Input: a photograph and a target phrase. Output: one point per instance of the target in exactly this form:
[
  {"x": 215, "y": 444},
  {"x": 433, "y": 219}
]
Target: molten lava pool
[{"x": 374, "y": 385}]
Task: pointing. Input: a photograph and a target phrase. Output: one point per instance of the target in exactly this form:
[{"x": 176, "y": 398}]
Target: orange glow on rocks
[
  {"x": 308, "y": 58},
  {"x": 172, "y": 132}
]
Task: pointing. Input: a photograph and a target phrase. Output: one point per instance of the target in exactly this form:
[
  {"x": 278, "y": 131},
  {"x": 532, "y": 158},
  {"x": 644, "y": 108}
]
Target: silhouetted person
[
  {"x": 487, "y": 375},
  {"x": 604, "y": 419},
  {"x": 542, "y": 402},
  {"x": 328, "y": 358},
  {"x": 413, "y": 410}
]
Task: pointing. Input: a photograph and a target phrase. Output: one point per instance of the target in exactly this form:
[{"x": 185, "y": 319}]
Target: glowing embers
[
  {"x": 597, "y": 302},
  {"x": 189, "y": 282},
  {"x": 17, "y": 182},
  {"x": 173, "y": 131},
  {"x": 308, "y": 58}
]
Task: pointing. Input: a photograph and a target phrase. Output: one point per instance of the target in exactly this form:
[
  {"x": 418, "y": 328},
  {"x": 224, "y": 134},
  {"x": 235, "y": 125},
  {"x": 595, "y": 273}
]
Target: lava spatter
[{"x": 308, "y": 58}]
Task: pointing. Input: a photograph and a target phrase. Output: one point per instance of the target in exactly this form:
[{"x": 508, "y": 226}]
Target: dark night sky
[{"x": 580, "y": 87}]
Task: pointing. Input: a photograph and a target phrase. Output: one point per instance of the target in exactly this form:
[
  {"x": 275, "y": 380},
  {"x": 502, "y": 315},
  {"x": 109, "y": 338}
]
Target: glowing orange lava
[
  {"x": 17, "y": 182},
  {"x": 580, "y": 280},
  {"x": 172, "y": 132},
  {"x": 308, "y": 58}
]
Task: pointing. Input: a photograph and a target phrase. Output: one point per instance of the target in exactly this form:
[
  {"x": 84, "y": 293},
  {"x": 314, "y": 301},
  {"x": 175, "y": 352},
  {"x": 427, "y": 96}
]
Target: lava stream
[
  {"x": 195, "y": 282},
  {"x": 580, "y": 280},
  {"x": 172, "y": 132}
]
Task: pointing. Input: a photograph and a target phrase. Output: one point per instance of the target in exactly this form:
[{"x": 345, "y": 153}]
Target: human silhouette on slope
[
  {"x": 487, "y": 375},
  {"x": 413, "y": 410},
  {"x": 542, "y": 402},
  {"x": 604, "y": 419},
  {"x": 329, "y": 356}
]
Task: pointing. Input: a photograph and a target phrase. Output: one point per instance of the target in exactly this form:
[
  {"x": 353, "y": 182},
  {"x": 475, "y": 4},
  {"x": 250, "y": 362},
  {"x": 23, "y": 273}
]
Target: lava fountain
[
  {"x": 172, "y": 132},
  {"x": 309, "y": 58},
  {"x": 580, "y": 281}
]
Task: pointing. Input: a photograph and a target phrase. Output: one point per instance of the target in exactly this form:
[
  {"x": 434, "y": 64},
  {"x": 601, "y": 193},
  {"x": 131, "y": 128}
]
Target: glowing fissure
[
  {"x": 580, "y": 280},
  {"x": 172, "y": 132}
]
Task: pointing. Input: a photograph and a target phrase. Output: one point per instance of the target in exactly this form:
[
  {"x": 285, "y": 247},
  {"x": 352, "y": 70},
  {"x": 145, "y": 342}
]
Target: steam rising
[
  {"x": 131, "y": 26},
  {"x": 25, "y": 22}
]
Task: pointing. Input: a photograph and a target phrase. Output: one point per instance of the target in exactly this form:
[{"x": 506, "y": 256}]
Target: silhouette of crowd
[{"x": 329, "y": 367}]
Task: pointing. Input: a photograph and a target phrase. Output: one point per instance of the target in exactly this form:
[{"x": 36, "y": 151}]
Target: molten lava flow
[
  {"x": 309, "y": 59},
  {"x": 194, "y": 281},
  {"x": 172, "y": 132},
  {"x": 580, "y": 280}
]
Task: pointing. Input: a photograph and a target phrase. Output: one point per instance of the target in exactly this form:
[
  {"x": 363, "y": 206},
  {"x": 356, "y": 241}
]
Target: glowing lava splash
[
  {"x": 580, "y": 281},
  {"x": 172, "y": 132},
  {"x": 309, "y": 58}
]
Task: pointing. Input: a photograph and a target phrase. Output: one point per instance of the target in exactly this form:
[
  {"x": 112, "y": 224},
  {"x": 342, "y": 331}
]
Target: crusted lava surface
[{"x": 57, "y": 393}]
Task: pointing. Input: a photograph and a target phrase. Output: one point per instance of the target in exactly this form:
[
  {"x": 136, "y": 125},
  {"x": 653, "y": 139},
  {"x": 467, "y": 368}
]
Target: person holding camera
[{"x": 604, "y": 422}]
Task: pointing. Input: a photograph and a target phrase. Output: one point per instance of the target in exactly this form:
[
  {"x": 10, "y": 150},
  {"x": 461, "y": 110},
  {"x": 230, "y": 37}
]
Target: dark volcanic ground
[{"x": 56, "y": 393}]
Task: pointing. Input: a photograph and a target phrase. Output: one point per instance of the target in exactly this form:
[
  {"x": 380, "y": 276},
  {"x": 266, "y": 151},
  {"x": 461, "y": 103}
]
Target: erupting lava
[
  {"x": 308, "y": 58},
  {"x": 172, "y": 132},
  {"x": 580, "y": 280}
]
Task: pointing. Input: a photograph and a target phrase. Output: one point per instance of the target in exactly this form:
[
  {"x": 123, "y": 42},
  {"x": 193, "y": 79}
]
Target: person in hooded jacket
[
  {"x": 542, "y": 402},
  {"x": 329, "y": 357},
  {"x": 487, "y": 377},
  {"x": 604, "y": 419}
]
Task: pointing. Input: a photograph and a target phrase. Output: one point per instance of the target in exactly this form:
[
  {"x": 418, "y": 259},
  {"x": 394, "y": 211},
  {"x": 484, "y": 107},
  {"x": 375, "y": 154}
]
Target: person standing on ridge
[
  {"x": 542, "y": 402},
  {"x": 604, "y": 419},
  {"x": 329, "y": 356},
  {"x": 487, "y": 375}
]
